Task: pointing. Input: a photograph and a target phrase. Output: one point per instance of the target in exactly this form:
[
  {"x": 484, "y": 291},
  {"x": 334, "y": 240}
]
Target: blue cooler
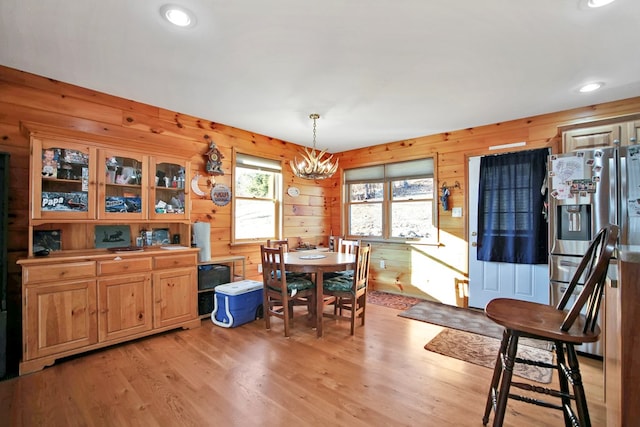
[{"x": 236, "y": 303}]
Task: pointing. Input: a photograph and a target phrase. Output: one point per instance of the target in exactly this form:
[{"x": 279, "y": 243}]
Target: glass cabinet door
[
  {"x": 122, "y": 185},
  {"x": 170, "y": 194},
  {"x": 64, "y": 179}
]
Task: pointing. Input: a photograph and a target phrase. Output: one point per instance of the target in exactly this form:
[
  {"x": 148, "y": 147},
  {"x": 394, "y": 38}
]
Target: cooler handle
[{"x": 227, "y": 312}]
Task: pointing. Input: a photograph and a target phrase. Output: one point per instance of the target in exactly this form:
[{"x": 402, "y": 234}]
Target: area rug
[
  {"x": 464, "y": 319},
  {"x": 385, "y": 299},
  {"x": 482, "y": 350}
]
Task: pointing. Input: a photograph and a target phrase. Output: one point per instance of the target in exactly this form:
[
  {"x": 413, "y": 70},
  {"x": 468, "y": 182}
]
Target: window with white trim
[
  {"x": 257, "y": 197},
  {"x": 393, "y": 201}
]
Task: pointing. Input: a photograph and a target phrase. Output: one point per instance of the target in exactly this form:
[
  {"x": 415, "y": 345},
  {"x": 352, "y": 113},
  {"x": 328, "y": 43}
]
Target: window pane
[
  {"x": 254, "y": 183},
  {"x": 411, "y": 220},
  {"x": 366, "y": 219},
  {"x": 366, "y": 192},
  {"x": 407, "y": 189},
  {"x": 254, "y": 219}
]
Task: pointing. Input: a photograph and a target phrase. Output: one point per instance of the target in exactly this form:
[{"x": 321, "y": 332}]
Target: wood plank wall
[
  {"x": 423, "y": 271},
  {"x": 430, "y": 271}
]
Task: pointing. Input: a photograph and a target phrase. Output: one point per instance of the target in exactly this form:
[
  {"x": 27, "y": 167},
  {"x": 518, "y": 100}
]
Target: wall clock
[
  {"x": 214, "y": 160},
  {"x": 293, "y": 191}
]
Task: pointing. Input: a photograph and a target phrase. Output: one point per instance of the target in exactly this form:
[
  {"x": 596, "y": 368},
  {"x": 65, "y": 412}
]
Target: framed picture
[
  {"x": 161, "y": 236},
  {"x": 47, "y": 239},
  {"x": 112, "y": 236}
]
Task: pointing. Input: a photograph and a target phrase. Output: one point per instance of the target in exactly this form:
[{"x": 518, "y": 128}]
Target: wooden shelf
[{"x": 235, "y": 273}]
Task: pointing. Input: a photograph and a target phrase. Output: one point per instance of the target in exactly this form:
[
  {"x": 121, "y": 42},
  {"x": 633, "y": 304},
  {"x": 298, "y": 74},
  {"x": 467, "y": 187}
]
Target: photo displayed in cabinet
[
  {"x": 112, "y": 236},
  {"x": 160, "y": 236},
  {"x": 47, "y": 239},
  {"x": 123, "y": 185},
  {"x": 65, "y": 180},
  {"x": 169, "y": 184}
]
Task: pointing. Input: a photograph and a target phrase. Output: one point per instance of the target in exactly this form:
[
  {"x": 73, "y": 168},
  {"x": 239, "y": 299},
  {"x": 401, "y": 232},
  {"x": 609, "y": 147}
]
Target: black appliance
[{"x": 210, "y": 276}]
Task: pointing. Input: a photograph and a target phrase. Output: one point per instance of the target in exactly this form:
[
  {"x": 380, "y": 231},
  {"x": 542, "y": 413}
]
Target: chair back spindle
[{"x": 593, "y": 267}]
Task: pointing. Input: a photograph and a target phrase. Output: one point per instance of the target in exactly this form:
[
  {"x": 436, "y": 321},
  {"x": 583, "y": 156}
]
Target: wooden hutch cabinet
[{"x": 83, "y": 295}]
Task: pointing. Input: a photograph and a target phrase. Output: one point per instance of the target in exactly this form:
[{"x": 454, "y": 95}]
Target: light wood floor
[{"x": 212, "y": 376}]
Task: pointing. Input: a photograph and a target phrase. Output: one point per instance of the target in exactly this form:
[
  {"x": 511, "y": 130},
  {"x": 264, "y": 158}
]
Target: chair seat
[
  {"x": 292, "y": 275},
  {"x": 296, "y": 283},
  {"x": 538, "y": 320},
  {"x": 341, "y": 283},
  {"x": 330, "y": 275}
]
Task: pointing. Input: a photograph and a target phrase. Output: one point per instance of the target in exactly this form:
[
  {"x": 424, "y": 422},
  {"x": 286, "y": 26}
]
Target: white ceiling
[{"x": 375, "y": 70}]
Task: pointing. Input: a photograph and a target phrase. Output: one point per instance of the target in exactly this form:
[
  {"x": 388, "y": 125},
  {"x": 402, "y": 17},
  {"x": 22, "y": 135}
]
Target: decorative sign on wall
[{"x": 220, "y": 195}]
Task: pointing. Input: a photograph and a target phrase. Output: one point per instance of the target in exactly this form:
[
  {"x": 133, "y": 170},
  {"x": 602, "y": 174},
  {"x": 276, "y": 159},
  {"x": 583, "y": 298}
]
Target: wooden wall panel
[
  {"x": 312, "y": 216},
  {"x": 66, "y": 108},
  {"x": 443, "y": 264}
]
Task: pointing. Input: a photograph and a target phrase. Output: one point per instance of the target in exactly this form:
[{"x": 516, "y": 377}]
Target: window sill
[{"x": 396, "y": 241}]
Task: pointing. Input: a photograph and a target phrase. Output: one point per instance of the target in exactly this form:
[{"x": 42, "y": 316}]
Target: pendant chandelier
[{"x": 312, "y": 166}]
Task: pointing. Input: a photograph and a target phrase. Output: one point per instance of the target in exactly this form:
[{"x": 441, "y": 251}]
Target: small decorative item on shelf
[
  {"x": 110, "y": 236},
  {"x": 49, "y": 163},
  {"x": 161, "y": 236},
  {"x": 46, "y": 239},
  {"x": 123, "y": 204},
  {"x": 112, "y": 166},
  {"x": 214, "y": 159}
]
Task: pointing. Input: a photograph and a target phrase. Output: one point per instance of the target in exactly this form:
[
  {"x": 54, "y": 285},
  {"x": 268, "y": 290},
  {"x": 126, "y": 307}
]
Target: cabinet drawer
[
  {"x": 120, "y": 266},
  {"x": 50, "y": 273},
  {"x": 188, "y": 260}
]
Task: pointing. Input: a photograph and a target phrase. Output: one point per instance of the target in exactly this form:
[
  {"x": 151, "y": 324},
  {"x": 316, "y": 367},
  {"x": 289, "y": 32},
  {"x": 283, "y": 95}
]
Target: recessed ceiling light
[
  {"x": 590, "y": 87},
  {"x": 599, "y": 3},
  {"x": 178, "y": 15}
]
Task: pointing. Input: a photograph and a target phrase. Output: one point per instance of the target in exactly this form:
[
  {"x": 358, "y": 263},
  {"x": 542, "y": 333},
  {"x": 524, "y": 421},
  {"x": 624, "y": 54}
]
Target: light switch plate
[{"x": 456, "y": 212}]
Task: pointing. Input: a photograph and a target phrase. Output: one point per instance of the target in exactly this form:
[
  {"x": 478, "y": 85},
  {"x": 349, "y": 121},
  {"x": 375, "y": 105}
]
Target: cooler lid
[{"x": 237, "y": 288}]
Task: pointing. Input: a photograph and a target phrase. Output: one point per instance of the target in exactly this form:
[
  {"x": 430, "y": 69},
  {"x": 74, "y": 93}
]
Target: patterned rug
[
  {"x": 464, "y": 319},
  {"x": 482, "y": 350},
  {"x": 398, "y": 302}
]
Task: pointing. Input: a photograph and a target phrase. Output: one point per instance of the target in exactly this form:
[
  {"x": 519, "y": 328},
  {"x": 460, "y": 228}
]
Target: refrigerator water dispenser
[{"x": 574, "y": 222}]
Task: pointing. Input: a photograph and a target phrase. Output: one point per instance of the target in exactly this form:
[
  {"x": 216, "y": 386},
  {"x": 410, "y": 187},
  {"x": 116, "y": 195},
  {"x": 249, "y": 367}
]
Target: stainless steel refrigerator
[{"x": 587, "y": 190}]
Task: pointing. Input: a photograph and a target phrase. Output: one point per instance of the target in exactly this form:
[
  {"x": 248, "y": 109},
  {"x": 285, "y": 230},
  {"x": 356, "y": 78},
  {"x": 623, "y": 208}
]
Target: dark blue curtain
[{"x": 511, "y": 220}]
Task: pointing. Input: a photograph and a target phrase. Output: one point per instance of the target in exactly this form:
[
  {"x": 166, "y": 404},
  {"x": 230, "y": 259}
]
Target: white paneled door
[{"x": 489, "y": 280}]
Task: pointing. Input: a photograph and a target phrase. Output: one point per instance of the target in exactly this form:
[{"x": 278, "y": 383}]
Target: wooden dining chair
[
  {"x": 563, "y": 326},
  {"x": 280, "y": 292},
  {"x": 284, "y": 243},
  {"x": 344, "y": 246},
  {"x": 347, "y": 246},
  {"x": 350, "y": 293},
  {"x": 272, "y": 243}
]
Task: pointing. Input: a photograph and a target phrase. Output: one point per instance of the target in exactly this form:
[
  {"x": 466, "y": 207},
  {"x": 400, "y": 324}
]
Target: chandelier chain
[
  {"x": 314, "y": 133},
  {"x": 315, "y": 117}
]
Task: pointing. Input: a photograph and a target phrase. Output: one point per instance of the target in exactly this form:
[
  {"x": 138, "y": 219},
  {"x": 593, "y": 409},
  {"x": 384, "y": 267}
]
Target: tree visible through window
[
  {"x": 257, "y": 189},
  {"x": 392, "y": 201}
]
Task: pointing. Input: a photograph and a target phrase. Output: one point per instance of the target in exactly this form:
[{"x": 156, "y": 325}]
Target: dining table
[{"x": 317, "y": 263}]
